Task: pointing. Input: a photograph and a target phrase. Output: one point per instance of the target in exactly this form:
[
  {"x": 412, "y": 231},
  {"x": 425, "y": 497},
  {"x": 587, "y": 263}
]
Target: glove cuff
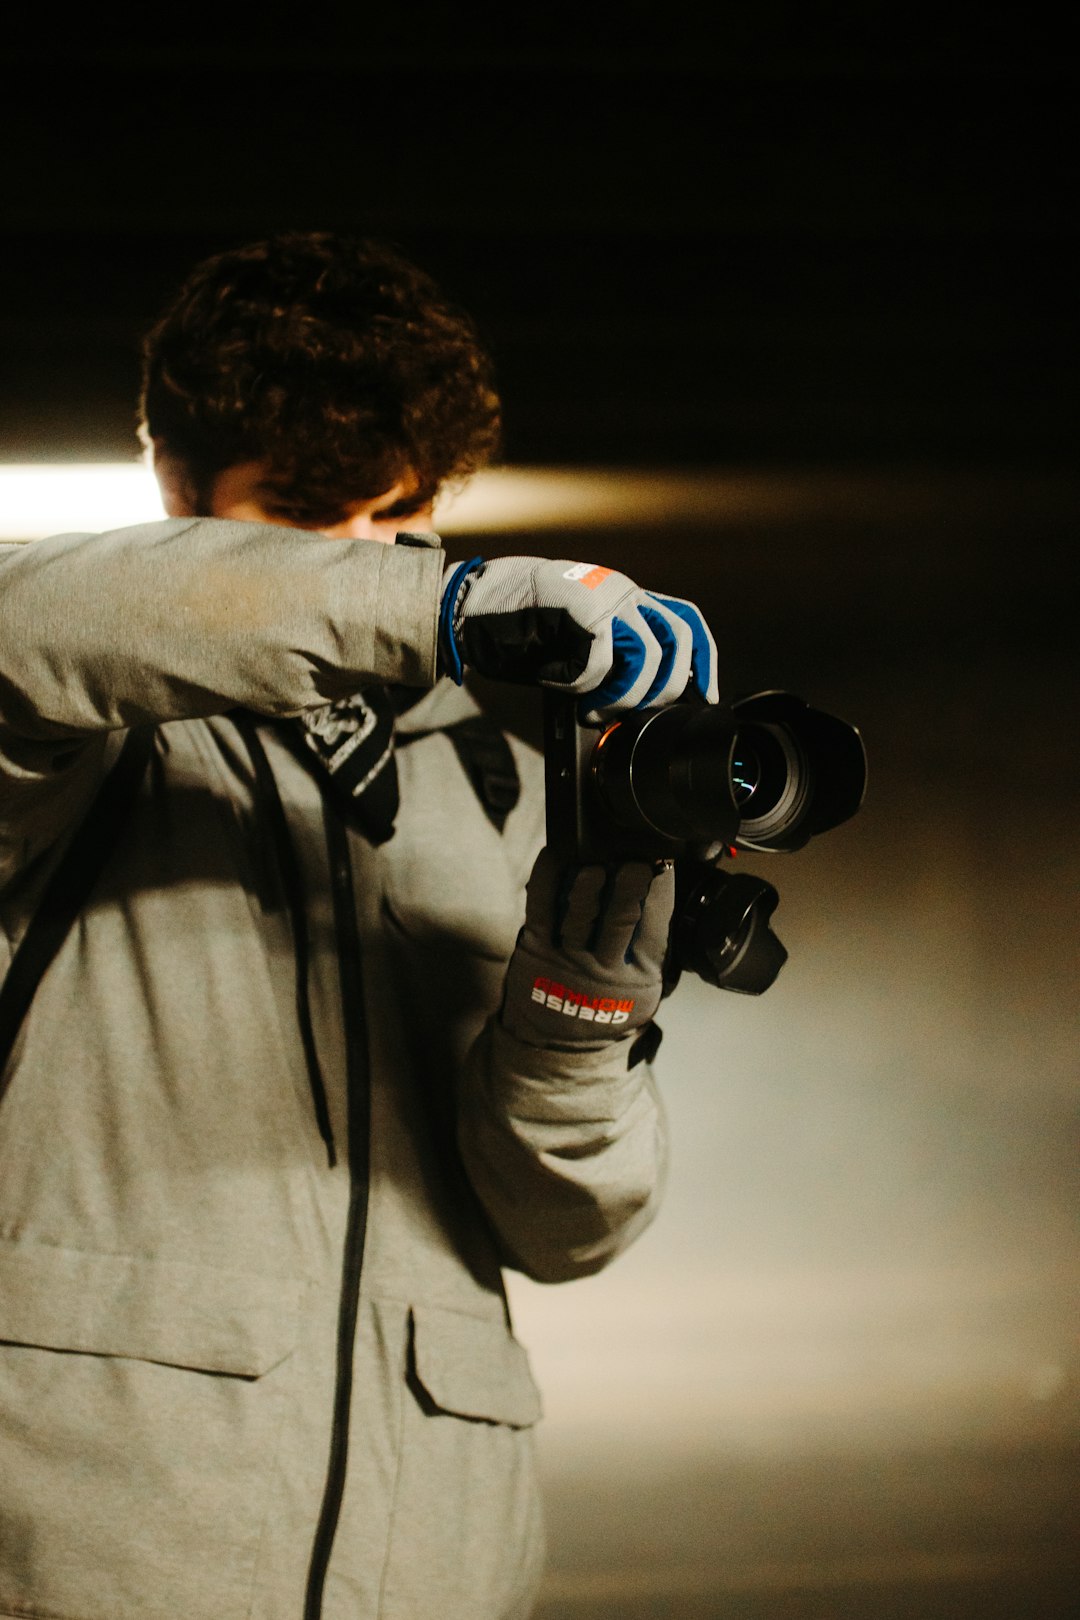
[{"x": 449, "y": 653}]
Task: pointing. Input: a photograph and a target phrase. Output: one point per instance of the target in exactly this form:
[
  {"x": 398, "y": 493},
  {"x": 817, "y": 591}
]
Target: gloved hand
[
  {"x": 575, "y": 627},
  {"x": 588, "y": 963}
]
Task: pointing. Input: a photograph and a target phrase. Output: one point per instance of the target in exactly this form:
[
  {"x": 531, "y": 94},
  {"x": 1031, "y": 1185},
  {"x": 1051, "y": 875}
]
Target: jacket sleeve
[
  {"x": 182, "y": 619},
  {"x": 566, "y": 1150}
]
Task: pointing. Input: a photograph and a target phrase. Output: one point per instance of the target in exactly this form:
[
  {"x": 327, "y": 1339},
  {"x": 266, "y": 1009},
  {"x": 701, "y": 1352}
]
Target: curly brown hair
[{"x": 334, "y": 360}]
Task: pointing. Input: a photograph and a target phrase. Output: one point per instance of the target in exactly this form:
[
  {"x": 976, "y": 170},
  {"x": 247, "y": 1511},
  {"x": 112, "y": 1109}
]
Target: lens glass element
[
  {"x": 745, "y": 771},
  {"x": 769, "y": 781}
]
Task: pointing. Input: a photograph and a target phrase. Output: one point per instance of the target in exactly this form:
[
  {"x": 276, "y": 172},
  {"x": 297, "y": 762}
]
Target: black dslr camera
[{"x": 695, "y": 782}]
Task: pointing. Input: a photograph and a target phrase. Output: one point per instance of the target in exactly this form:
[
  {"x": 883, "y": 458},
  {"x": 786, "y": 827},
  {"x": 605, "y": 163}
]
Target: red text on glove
[{"x": 576, "y": 1004}]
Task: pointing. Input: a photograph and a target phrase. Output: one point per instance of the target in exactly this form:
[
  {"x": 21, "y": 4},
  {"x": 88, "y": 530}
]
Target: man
[{"x": 287, "y": 1086}]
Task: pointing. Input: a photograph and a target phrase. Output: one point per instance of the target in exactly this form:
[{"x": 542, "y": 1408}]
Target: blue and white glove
[
  {"x": 588, "y": 964},
  {"x": 577, "y": 628}
]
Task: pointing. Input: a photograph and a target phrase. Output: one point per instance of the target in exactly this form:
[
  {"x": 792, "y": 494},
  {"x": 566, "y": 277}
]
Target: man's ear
[{"x": 179, "y": 494}]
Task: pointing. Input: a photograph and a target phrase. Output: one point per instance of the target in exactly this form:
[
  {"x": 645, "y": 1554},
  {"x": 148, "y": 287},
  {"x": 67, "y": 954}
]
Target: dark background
[
  {"x": 691, "y": 234},
  {"x": 832, "y": 252}
]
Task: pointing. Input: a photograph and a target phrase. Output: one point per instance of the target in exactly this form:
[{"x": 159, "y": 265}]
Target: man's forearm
[
  {"x": 191, "y": 617},
  {"x": 566, "y": 1151}
]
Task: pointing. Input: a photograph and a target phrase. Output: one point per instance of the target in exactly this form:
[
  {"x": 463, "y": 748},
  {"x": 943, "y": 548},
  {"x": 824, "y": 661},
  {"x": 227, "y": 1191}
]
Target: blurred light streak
[
  {"x": 68, "y": 497},
  {"x": 42, "y": 498}
]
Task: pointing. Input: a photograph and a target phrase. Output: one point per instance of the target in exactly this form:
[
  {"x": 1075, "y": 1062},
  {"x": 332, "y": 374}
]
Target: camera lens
[
  {"x": 745, "y": 771},
  {"x": 665, "y": 773},
  {"x": 722, "y": 929},
  {"x": 766, "y": 772},
  {"x": 769, "y": 780}
]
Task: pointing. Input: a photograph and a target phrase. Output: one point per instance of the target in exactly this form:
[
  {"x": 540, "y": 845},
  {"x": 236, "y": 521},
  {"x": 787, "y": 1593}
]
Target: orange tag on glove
[{"x": 588, "y": 574}]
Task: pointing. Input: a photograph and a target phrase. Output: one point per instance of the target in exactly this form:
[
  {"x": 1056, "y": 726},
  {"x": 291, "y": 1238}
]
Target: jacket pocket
[
  {"x": 467, "y": 1536},
  {"x": 139, "y": 1406},
  {"x": 472, "y": 1367}
]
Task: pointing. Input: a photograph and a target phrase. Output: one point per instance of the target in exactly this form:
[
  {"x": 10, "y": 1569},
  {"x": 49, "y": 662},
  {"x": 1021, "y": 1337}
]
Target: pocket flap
[
  {"x": 473, "y": 1367},
  {"x": 148, "y": 1310}
]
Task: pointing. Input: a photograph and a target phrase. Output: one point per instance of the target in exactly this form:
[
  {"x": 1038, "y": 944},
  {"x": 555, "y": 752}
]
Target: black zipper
[{"x": 358, "y": 1081}]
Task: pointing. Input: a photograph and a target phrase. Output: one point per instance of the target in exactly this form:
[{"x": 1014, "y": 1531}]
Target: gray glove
[
  {"x": 576, "y": 627},
  {"x": 588, "y": 963}
]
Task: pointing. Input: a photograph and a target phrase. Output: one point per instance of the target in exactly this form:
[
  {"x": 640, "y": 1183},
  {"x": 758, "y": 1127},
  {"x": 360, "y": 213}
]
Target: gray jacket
[{"x": 236, "y": 1379}]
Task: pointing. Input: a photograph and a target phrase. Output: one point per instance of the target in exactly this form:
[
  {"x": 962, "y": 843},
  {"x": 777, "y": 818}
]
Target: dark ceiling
[{"x": 690, "y": 235}]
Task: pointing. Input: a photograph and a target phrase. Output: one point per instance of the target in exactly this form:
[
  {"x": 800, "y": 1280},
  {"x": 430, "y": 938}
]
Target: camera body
[{"x": 694, "y": 783}]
